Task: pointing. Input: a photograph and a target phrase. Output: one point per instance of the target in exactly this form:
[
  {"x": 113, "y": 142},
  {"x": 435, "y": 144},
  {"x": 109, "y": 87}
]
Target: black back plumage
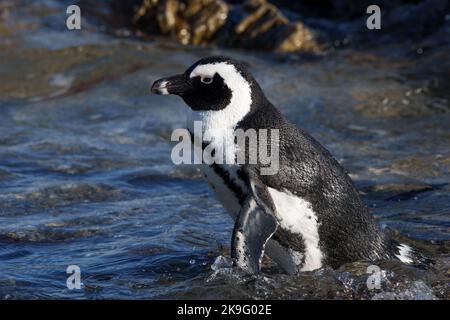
[{"x": 306, "y": 169}]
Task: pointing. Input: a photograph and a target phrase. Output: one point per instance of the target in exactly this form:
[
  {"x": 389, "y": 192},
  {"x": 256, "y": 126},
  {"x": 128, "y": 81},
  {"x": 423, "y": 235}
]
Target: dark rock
[
  {"x": 399, "y": 191},
  {"x": 286, "y": 26},
  {"x": 256, "y": 24},
  {"x": 190, "y": 22},
  {"x": 414, "y": 166},
  {"x": 263, "y": 26},
  {"x": 414, "y": 21}
]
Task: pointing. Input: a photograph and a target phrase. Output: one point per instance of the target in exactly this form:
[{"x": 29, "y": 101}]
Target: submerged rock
[{"x": 398, "y": 191}]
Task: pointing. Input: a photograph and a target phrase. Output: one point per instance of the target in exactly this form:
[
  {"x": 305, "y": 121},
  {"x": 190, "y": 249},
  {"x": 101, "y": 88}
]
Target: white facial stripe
[
  {"x": 240, "y": 89},
  {"x": 207, "y": 70},
  {"x": 240, "y": 102}
]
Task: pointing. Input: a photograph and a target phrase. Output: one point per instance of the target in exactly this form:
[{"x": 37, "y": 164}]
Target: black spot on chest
[{"x": 224, "y": 174}]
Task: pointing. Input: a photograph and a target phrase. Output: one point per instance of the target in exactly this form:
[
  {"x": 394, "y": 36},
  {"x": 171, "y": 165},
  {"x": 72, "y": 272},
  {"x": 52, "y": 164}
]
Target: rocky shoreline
[
  {"x": 255, "y": 24},
  {"x": 287, "y": 26}
]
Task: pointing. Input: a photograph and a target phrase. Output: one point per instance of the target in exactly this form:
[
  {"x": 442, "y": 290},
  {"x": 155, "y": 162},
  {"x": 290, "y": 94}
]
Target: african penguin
[{"x": 305, "y": 216}]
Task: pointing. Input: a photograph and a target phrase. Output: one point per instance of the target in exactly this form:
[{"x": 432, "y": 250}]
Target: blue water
[{"x": 86, "y": 177}]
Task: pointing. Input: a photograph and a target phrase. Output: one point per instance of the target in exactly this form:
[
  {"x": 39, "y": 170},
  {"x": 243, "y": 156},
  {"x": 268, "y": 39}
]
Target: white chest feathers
[
  {"x": 227, "y": 195},
  {"x": 297, "y": 216}
]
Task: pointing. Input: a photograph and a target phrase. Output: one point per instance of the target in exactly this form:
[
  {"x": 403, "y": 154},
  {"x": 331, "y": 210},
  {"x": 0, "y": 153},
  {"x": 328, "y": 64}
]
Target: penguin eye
[{"x": 206, "y": 80}]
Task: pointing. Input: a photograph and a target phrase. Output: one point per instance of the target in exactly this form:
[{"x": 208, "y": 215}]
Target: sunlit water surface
[{"x": 86, "y": 177}]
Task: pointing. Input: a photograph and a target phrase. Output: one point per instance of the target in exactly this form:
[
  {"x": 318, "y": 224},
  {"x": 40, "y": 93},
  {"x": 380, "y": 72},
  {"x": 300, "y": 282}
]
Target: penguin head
[{"x": 212, "y": 84}]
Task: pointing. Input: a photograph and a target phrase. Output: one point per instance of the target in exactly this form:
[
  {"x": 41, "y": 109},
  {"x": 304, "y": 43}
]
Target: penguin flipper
[{"x": 254, "y": 226}]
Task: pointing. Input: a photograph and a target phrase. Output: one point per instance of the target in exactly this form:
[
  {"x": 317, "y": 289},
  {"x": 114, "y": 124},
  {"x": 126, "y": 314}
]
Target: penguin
[{"x": 305, "y": 216}]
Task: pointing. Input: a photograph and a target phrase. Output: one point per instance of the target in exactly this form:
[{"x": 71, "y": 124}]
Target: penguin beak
[{"x": 177, "y": 84}]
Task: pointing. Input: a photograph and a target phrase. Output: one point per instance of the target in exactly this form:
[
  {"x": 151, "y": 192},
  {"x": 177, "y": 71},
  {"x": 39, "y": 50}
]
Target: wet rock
[
  {"x": 415, "y": 166},
  {"x": 263, "y": 26},
  {"x": 398, "y": 191},
  {"x": 433, "y": 53},
  {"x": 411, "y": 168},
  {"x": 190, "y": 22},
  {"x": 286, "y": 26},
  {"x": 335, "y": 9},
  {"x": 399, "y": 102},
  {"x": 402, "y": 20},
  {"x": 418, "y": 290},
  {"x": 414, "y": 21},
  {"x": 32, "y": 73},
  {"x": 425, "y": 93},
  {"x": 297, "y": 37},
  {"x": 256, "y": 24},
  {"x": 259, "y": 19}
]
